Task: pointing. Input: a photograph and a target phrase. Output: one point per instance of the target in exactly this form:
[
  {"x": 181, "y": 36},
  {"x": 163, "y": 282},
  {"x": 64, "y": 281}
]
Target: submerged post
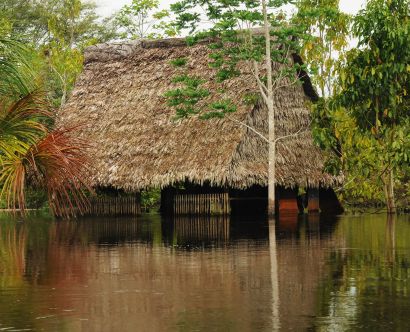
[
  {"x": 313, "y": 200},
  {"x": 288, "y": 201}
]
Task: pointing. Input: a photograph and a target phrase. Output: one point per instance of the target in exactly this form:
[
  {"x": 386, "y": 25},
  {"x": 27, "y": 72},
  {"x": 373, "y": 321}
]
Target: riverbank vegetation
[
  {"x": 365, "y": 124},
  {"x": 359, "y": 66},
  {"x": 33, "y": 152}
]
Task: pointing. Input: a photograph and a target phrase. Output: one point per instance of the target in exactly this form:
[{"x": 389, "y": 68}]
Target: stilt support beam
[
  {"x": 288, "y": 201},
  {"x": 313, "y": 200}
]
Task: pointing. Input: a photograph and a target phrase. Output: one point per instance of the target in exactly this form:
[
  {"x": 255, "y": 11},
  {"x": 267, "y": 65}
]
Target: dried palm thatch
[{"x": 137, "y": 143}]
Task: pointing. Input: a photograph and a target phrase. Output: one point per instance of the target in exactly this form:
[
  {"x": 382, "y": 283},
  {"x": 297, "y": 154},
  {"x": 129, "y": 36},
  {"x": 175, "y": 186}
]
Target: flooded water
[{"x": 148, "y": 274}]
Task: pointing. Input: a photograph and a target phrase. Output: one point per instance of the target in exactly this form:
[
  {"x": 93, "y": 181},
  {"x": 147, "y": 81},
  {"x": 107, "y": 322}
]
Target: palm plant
[
  {"x": 31, "y": 153},
  {"x": 21, "y": 123},
  {"x": 16, "y": 75}
]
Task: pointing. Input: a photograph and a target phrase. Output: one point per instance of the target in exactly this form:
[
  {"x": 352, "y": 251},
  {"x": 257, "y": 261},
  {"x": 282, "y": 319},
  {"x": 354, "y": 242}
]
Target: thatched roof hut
[{"x": 137, "y": 143}]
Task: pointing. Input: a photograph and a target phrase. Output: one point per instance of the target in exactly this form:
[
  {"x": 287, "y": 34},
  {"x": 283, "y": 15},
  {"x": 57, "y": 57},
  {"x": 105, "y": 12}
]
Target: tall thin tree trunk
[
  {"x": 389, "y": 192},
  {"x": 271, "y": 115},
  {"x": 272, "y": 170}
]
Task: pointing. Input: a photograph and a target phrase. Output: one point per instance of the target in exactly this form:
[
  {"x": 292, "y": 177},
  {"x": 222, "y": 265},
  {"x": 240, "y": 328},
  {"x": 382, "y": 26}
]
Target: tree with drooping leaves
[
  {"x": 328, "y": 28},
  {"x": 251, "y": 32},
  {"x": 375, "y": 86}
]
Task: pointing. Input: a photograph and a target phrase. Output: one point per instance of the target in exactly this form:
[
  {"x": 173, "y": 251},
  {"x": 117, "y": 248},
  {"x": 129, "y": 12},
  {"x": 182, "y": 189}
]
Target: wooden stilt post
[
  {"x": 288, "y": 201},
  {"x": 313, "y": 200}
]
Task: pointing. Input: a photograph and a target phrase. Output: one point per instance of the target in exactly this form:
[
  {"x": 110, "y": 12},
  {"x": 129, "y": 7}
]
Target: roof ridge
[{"x": 119, "y": 50}]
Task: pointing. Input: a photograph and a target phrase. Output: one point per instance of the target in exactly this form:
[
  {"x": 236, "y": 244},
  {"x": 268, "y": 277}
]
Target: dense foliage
[
  {"x": 32, "y": 153},
  {"x": 328, "y": 28},
  {"x": 58, "y": 31},
  {"x": 367, "y": 123}
]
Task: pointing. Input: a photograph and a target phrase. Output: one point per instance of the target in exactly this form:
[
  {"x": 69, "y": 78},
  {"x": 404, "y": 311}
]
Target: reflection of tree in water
[
  {"x": 20, "y": 242},
  {"x": 153, "y": 287},
  {"x": 13, "y": 242},
  {"x": 220, "y": 285},
  {"x": 370, "y": 276},
  {"x": 124, "y": 275},
  {"x": 302, "y": 245}
]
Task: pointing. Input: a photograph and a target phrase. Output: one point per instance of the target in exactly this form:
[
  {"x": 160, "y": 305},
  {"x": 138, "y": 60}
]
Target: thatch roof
[{"x": 137, "y": 143}]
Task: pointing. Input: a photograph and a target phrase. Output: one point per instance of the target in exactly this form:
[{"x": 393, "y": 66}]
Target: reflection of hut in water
[
  {"x": 145, "y": 287},
  {"x": 223, "y": 165},
  {"x": 315, "y": 224},
  {"x": 150, "y": 286},
  {"x": 104, "y": 230},
  {"x": 198, "y": 229}
]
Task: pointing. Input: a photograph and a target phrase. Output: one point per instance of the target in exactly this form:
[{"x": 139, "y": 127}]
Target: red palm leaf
[{"x": 58, "y": 163}]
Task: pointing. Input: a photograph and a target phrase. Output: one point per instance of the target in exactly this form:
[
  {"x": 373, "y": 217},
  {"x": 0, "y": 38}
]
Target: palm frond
[
  {"x": 29, "y": 152},
  {"x": 16, "y": 74},
  {"x": 12, "y": 178},
  {"x": 60, "y": 163},
  {"x": 21, "y": 124}
]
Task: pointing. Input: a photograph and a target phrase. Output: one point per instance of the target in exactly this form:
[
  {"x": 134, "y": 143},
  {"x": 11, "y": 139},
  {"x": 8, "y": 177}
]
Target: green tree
[
  {"x": 328, "y": 28},
  {"x": 71, "y": 26},
  {"x": 39, "y": 22},
  {"x": 23, "y": 19},
  {"x": 375, "y": 83},
  {"x": 75, "y": 23},
  {"x": 143, "y": 19},
  {"x": 238, "y": 39},
  {"x": 59, "y": 31}
]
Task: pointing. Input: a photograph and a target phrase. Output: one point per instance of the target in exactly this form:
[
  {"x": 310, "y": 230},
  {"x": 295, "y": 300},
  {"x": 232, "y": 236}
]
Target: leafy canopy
[
  {"x": 143, "y": 19},
  {"x": 237, "y": 47},
  {"x": 367, "y": 124},
  {"x": 375, "y": 80},
  {"x": 328, "y": 28}
]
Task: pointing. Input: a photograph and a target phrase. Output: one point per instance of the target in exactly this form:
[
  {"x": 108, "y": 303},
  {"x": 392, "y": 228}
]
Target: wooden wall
[
  {"x": 114, "y": 206},
  {"x": 201, "y": 204}
]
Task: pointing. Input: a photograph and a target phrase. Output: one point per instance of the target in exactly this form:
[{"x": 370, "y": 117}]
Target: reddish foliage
[{"x": 58, "y": 163}]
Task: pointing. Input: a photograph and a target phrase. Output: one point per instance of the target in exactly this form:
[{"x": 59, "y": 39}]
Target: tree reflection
[
  {"x": 369, "y": 280},
  {"x": 274, "y": 276},
  {"x": 13, "y": 242},
  {"x": 302, "y": 244}
]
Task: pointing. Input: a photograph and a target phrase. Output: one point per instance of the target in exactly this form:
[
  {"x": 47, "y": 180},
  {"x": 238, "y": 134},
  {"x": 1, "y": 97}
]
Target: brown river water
[{"x": 306, "y": 273}]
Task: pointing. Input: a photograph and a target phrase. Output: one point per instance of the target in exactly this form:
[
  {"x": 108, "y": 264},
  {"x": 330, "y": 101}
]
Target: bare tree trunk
[
  {"x": 272, "y": 168},
  {"x": 389, "y": 192},
  {"x": 271, "y": 115}
]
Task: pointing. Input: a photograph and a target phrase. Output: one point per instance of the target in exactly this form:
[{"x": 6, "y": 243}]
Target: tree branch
[
  {"x": 345, "y": 184},
  {"x": 262, "y": 87},
  {"x": 300, "y": 131},
  {"x": 249, "y": 127}
]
